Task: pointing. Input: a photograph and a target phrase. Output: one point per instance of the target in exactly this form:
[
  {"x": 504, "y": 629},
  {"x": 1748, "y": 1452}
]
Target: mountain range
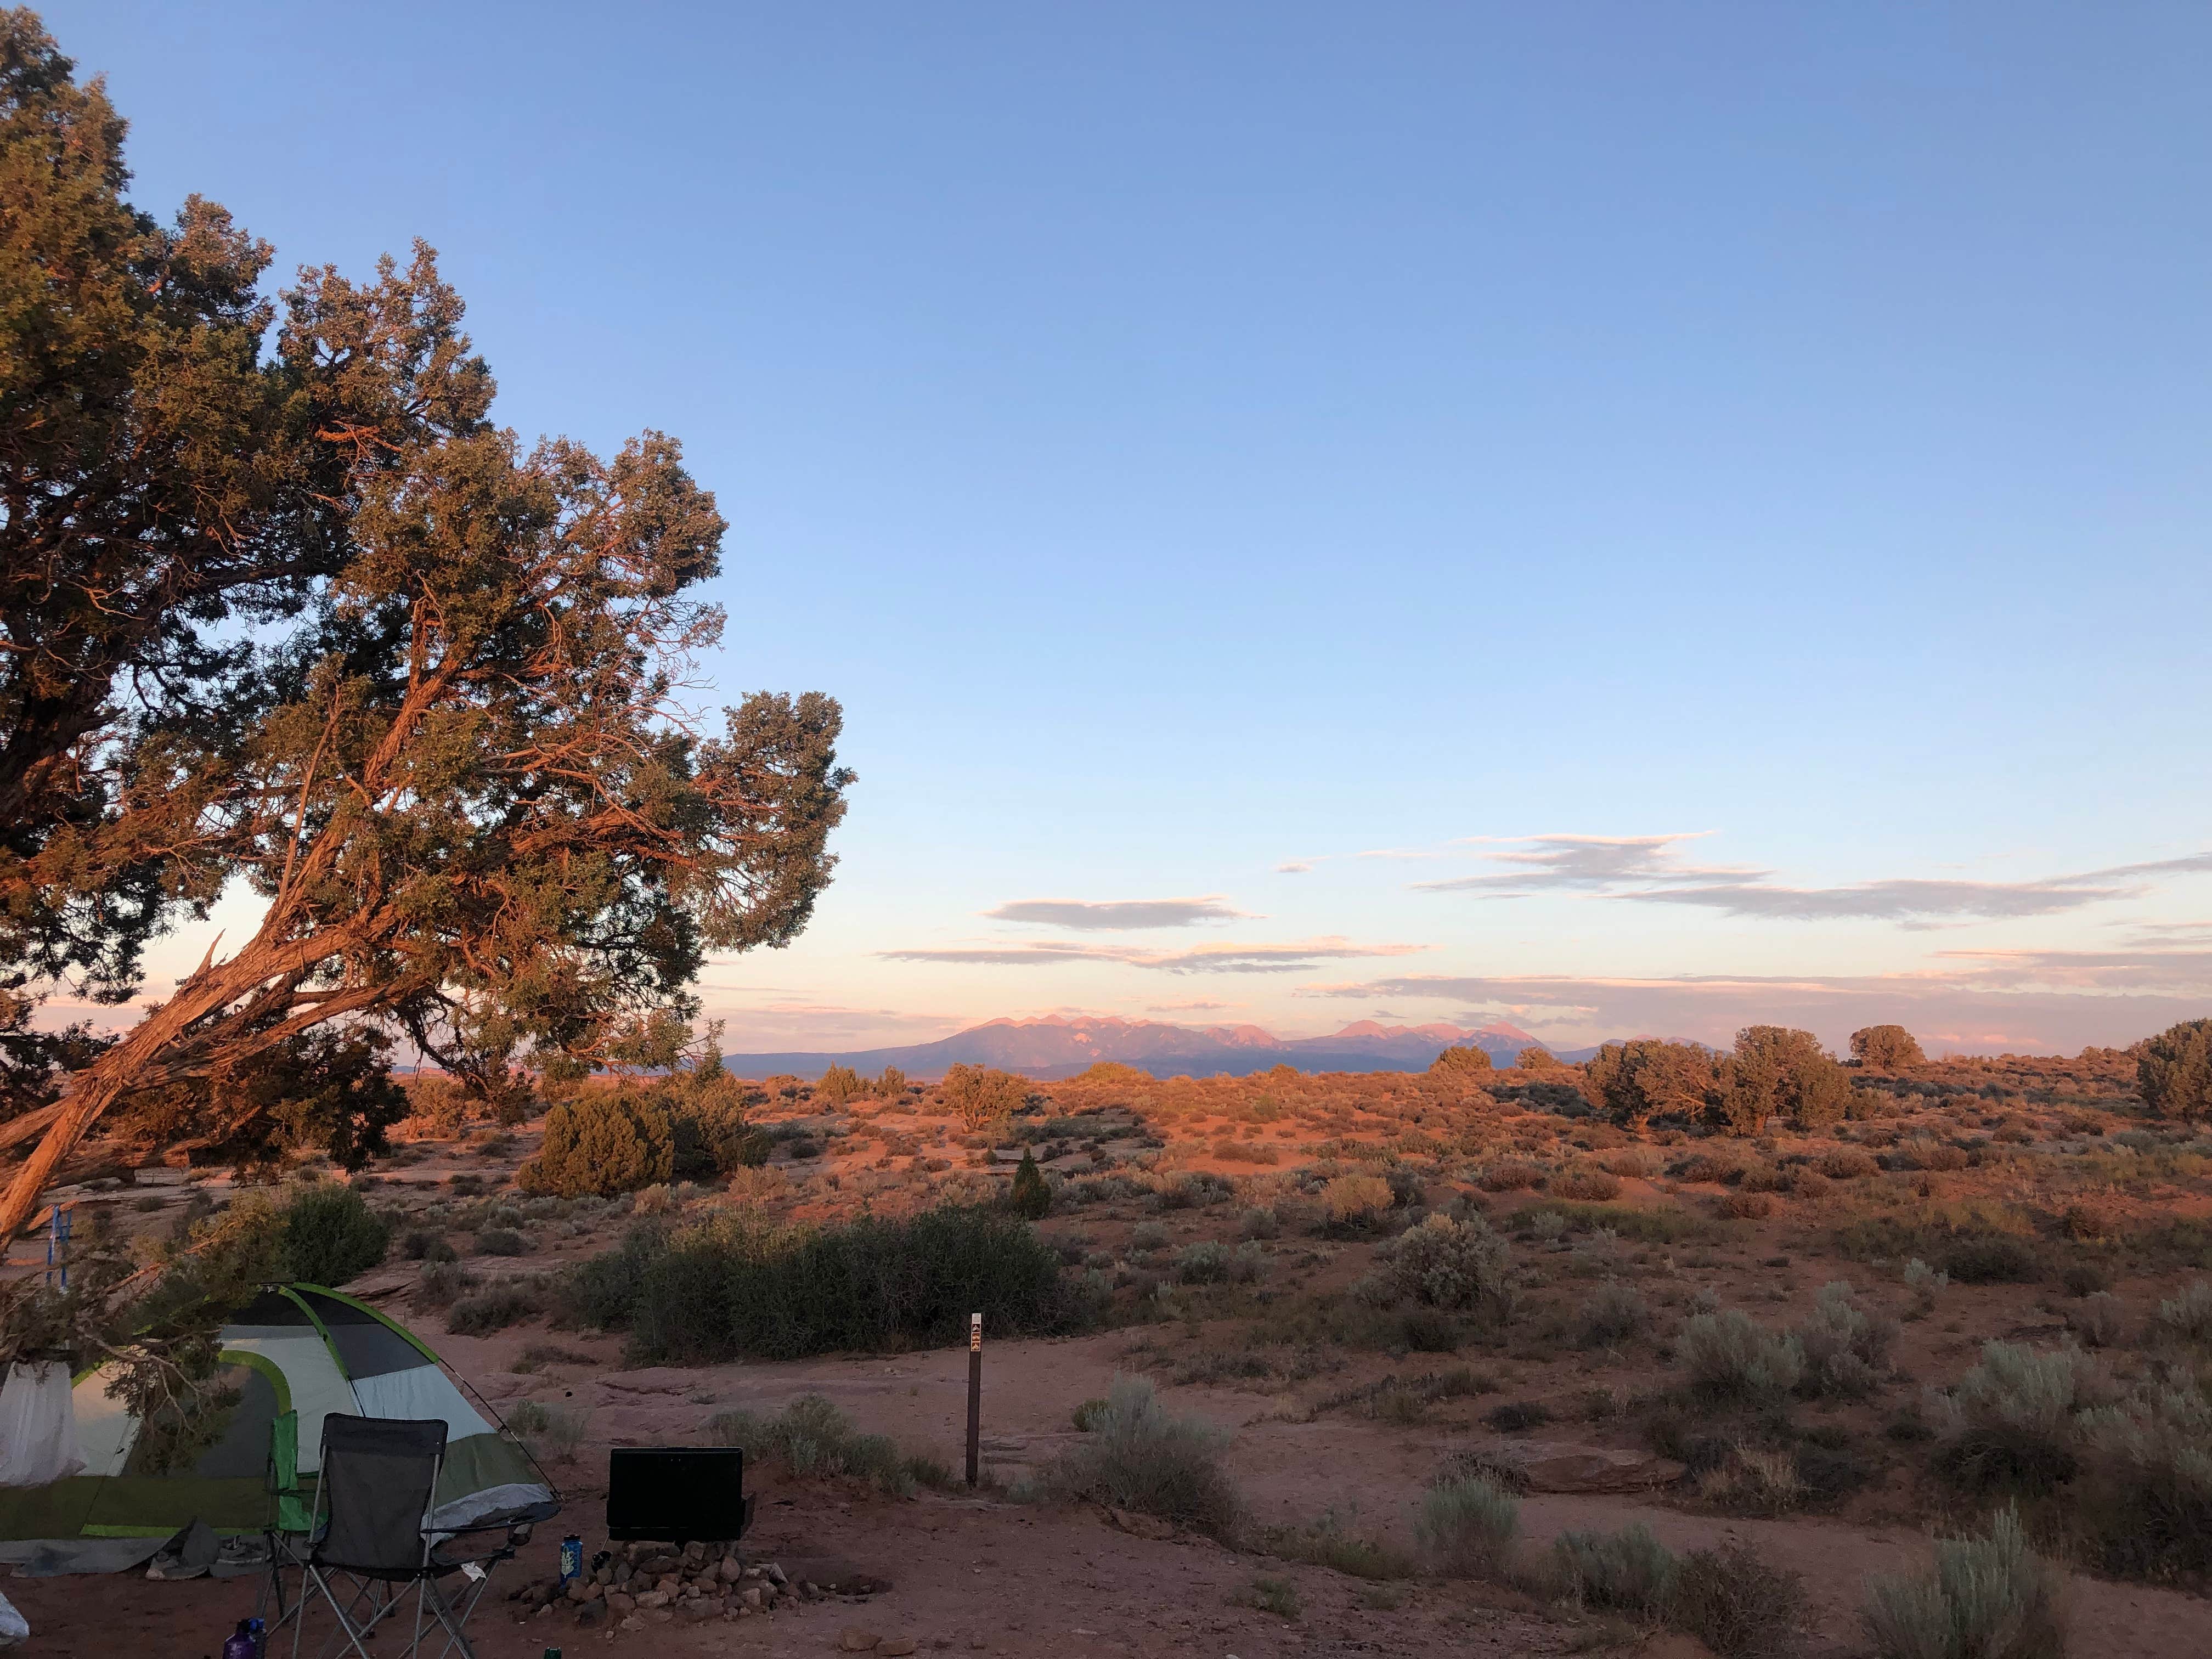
[{"x": 1057, "y": 1046}]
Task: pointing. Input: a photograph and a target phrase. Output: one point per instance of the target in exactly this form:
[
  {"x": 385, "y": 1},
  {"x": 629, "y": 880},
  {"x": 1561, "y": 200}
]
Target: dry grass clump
[
  {"x": 1630, "y": 1570},
  {"x": 1353, "y": 1200},
  {"x": 1738, "y": 1603},
  {"x": 1135, "y": 1457},
  {"x": 1752, "y": 1480},
  {"x": 1984, "y": 1598}
]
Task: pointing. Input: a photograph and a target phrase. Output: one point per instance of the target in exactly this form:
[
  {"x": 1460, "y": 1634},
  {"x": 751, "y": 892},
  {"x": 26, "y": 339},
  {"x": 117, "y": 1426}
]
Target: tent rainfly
[{"x": 295, "y": 1354}]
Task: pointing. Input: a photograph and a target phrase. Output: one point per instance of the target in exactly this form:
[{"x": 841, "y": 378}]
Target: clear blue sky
[{"x": 1197, "y": 438}]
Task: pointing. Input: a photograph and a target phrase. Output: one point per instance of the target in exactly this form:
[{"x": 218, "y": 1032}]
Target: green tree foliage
[
  {"x": 1029, "y": 1197},
  {"x": 980, "y": 1096},
  {"x": 602, "y": 1143},
  {"x": 707, "y": 1114},
  {"x": 2174, "y": 1071},
  {"x": 1778, "y": 1071},
  {"x": 311, "y": 625},
  {"x": 1459, "y": 1063},
  {"x": 1887, "y": 1048},
  {"x": 330, "y": 1236},
  {"x": 1535, "y": 1058},
  {"x": 891, "y": 1086},
  {"x": 840, "y": 1085},
  {"x": 1634, "y": 1082},
  {"x": 325, "y": 1091}
]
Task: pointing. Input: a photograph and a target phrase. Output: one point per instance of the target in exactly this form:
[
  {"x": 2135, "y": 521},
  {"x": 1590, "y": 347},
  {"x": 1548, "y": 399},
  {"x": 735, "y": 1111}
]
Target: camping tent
[{"x": 295, "y": 1354}]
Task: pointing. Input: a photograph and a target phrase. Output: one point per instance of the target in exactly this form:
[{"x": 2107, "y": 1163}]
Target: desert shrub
[
  {"x": 1259, "y": 1222},
  {"x": 1630, "y": 1570},
  {"x": 840, "y": 1084},
  {"x": 1429, "y": 1330},
  {"x": 1748, "y": 1205},
  {"x": 733, "y": 1286},
  {"x": 2100, "y": 1320},
  {"x": 1135, "y": 1456},
  {"x": 1465, "y": 1527},
  {"x": 1207, "y": 1262},
  {"x": 1991, "y": 1259},
  {"x": 812, "y": 1437},
  {"x": 601, "y": 1143},
  {"x": 1887, "y": 1048},
  {"x": 2186, "y": 1317},
  {"x": 1517, "y": 1416},
  {"x": 1637, "y": 1162},
  {"x": 555, "y": 1432},
  {"x": 1461, "y": 1063},
  {"x": 2174, "y": 1072},
  {"x": 1730, "y": 1356},
  {"x": 1352, "y": 1200},
  {"x": 494, "y": 1309},
  {"x": 1614, "y": 1313},
  {"x": 329, "y": 1235},
  {"x": 1029, "y": 1197},
  {"x": 1846, "y": 1347},
  {"x": 1738, "y": 1603},
  {"x": 1985, "y": 1598},
  {"x": 1509, "y": 1174},
  {"x": 1846, "y": 1164},
  {"x": 1587, "y": 1185},
  {"x": 501, "y": 1241},
  {"x": 2147, "y": 1497},
  {"x": 441, "y": 1284},
  {"x": 1497, "y": 1464},
  {"x": 2010, "y": 1425},
  {"x": 1444, "y": 1263},
  {"x": 979, "y": 1096}
]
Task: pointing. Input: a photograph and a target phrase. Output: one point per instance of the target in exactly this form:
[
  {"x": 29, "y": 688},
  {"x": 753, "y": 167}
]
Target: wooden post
[{"x": 974, "y": 1393}]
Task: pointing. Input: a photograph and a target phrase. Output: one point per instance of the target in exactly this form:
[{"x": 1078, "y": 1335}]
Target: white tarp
[
  {"x": 14, "y": 1627},
  {"x": 37, "y": 1425}
]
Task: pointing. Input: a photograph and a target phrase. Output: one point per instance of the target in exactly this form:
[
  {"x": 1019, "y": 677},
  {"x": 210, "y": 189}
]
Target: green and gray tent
[{"x": 295, "y": 1354}]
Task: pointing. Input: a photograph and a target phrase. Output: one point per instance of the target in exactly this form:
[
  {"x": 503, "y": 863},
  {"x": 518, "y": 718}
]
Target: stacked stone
[{"x": 633, "y": 1584}]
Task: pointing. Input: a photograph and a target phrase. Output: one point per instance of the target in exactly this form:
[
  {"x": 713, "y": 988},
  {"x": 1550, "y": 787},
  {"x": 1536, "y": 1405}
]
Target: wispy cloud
[
  {"x": 1118, "y": 915},
  {"x": 1646, "y": 869},
  {"x": 1224, "y": 958},
  {"x": 1192, "y": 1005},
  {"x": 2038, "y": 1000},
  {"x": 1296, "y": 866}
]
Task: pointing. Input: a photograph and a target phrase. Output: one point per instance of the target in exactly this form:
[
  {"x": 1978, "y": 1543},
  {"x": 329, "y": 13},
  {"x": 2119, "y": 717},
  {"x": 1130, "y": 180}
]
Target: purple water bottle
[{"x": 240, "y": 1643}]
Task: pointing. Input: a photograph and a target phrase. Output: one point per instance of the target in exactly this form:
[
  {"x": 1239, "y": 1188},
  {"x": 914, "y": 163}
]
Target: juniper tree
[{"x": 307, "y": 624}]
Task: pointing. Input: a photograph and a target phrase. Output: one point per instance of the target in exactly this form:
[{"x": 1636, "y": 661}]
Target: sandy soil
[{"x": 985, "y": 1575}]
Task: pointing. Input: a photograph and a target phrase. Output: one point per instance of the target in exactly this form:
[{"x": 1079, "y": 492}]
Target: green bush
[
  {"x": 979, "y": 1096},
  {"x": 2013, "y": 1424},
  {"x": 1466, "y": 1526},
  {"x": 1985, "y": 1598},
  {"x": 1886, "y": 1048},
  {"x": 494, "y": 1309},
  {"x": 812, "y": 1437},
  {"x": 601, "y": 1143},
  {"x": 2187, "y": 1317},
  {"x": 2147, "y": 1500},
  {"x": 1029, "y": 1197},
  {"x": 1630, "y": 1570},
  {"x": 1614, "y": 1313},
  {"x": 501, "y": 1241},
  {"x": 1992, "y": 1259},
  {"x": 1135, "y": 1457},
  {"x": 1846, "y": 1348},
  {"x": 330, "y": 1237},
  {"x": 734, "y": 1287}
]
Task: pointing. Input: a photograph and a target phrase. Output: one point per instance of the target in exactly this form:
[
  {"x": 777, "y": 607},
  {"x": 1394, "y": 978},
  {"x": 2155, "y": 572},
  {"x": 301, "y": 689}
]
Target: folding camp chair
[{"x": 368, "y": 1541}]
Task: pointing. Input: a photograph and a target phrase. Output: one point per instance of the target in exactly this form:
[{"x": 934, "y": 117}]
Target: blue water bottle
[{"x": 572, "y": 1558}]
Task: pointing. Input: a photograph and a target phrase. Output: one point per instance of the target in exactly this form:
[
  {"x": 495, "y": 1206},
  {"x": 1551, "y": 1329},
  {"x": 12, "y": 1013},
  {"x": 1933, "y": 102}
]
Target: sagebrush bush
[
  {"x": 1259, "y": 1222},
  {"x": 441, "y": 1284},
  {"x": 1985, "y": 1598},
  {"x": 1730, "y": 1356},
  {"x": 812, "y": 1437},
  {"x": 1846, "y": 1347},
  {"x": 1614, "y": 1312},
  {"x": 1444, "y": 1263},
  {"x": 1355, "y": 1200},
  {"x": 1846, "y": 1164},
  {"x": 602, "y": 1143},
  {"x": 2011, "y": 1425},
  {"x": 1586, "y": 1184},
  {"x": 2187, "y": 1317},
  {"x": 330, "y": 1236},
  {"x": 2100, "y": 1320},
  {"x": 501, "y": 1241},
  {"x": 1509, "y": 1174},
  {"x": 1630, "y": 1570},
  {"x": 733, "y": 1286},
  {"x": 2147, "y": 1500},
  {"x": 1135, "y": 1456},
  {"x": 1738, "y": 1603},
  {"x": 1465, "y": 1526},
  {"x": 494, "y": 1309}
]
